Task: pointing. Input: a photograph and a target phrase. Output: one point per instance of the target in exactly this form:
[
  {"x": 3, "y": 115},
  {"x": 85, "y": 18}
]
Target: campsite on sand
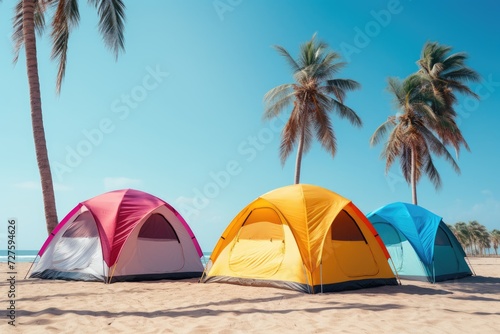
[{"x": 185, "y": 306}]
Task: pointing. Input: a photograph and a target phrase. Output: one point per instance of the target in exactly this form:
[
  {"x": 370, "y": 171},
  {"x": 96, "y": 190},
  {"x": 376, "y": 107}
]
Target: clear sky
[{"x": 179, "y": 114}]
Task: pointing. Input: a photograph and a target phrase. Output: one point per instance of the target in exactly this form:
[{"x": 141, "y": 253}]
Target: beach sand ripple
[{"x": 466, "y": 305}]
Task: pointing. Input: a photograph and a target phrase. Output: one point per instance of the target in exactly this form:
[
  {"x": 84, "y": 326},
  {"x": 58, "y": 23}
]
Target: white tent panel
[{"x": 75, "y": 251}]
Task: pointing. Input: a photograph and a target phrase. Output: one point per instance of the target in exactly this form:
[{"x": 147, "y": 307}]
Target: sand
[{"x": 469, "y": 305}]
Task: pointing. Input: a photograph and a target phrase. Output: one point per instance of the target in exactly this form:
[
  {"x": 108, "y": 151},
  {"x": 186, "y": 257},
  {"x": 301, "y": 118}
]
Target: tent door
[
  {"x": 352, "y": 252},
  {"x": 445, "y": 257},
  {"x": 259, "y": 248},
  {"x": 393, "y": 242},
  {"x": 152, "y": 248}
]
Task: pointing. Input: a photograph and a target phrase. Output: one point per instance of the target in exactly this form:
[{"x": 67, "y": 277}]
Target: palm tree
[
  {"x": 446, "y": 74},
  {"x": 480, "y": 237},
  {"x": 29, "y": 16},
  {"x": 463, "y": 235},
  {"x": 409, "y": 138},
  {"x": 315, "y": 93},
  {"x": 495, "y": 240}
]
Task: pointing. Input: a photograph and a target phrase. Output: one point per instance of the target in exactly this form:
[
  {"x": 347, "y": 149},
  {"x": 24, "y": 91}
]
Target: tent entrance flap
[
  {"x": 78, "y": 248},
  {"x": 259, "y": 248},
  {"x": 74, "y": 251},
  {"x": 352, "y": 252},
  {"x": 149, "y": 247},
  {"x": 393, "y": 241},
  {"x": 445, "y": 259}
]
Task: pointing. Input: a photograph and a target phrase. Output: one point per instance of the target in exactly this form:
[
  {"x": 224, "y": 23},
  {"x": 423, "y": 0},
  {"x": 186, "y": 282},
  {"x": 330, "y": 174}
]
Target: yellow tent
[{"x": 300, "y": 237}]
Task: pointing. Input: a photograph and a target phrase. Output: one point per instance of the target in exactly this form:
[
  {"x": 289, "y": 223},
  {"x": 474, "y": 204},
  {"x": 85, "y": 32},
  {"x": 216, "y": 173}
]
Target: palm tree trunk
[
  {"x": 42, "y": 157},
  {"x": 413, "y": 177},
  {"x": 298, "y": 161}
]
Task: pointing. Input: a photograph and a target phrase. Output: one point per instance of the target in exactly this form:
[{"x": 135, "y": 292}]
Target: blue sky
[{"x": 179, "y": 114}]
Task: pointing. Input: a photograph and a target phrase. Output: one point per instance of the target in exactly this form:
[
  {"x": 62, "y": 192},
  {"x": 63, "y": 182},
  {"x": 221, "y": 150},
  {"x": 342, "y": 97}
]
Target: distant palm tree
[
  {"x": 409, "y": 138},
  {"x": 315, "y": 93},
  {"x": 495, "y": 240},
  {"x": 446, "y": 74},
  {"x": 475, "y": 238},
  {"x": 480, "y": 237},
  {"x": 29, "y": 16},
  {"x": 463, "y": 235}
]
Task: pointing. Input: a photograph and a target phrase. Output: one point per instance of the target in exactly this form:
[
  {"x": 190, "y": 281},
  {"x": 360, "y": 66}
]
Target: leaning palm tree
[
  {"x": 409, "y": 138},
  {"x": 446, "y": 74},
  {"x": 315, "y": 93},
  {"x": 29, "y": 18}
]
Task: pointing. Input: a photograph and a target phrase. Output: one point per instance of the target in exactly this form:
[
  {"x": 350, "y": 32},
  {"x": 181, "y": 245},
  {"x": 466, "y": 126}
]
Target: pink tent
[{"x": 117, "y": 236}]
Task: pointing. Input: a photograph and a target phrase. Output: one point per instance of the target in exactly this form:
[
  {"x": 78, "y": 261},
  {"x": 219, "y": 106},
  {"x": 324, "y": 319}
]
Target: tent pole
[
  {"x": 321, "y": 275},
  {"x": 104, "y": 273},
  {"x": 307, "y": 280},
  {"x": 396, "y": 271},
  {"x": 112, "y": 273},
  {"x": 204, "y": 271},
  {"x": 470, "y": 265},
  {"x": 433, "y": 272},
  {"x": 32, "y": 263}
]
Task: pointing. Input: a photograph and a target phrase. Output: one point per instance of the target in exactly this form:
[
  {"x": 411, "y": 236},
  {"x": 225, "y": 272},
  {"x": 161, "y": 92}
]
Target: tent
[
  {"x": 122, "y": 235},
  {"x": 300, "y": 237},
  {"x": 422, "y": 247}
]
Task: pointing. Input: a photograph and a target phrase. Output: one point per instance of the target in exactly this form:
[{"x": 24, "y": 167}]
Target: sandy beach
[{"x": 469, "y": 305}]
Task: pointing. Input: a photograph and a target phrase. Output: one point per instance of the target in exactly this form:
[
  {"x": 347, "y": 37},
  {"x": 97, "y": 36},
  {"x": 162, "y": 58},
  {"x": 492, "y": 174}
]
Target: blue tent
[{"x": 421, "y": 246}]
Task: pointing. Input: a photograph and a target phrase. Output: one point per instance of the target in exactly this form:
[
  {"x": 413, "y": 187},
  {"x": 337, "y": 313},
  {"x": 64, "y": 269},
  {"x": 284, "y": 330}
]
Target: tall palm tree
[
  {"x": 446, "y": 74},
  {"x": 29, "y": 17},
  {"x": 409, "y": 138},
  {"x": 315, "y": 93}
]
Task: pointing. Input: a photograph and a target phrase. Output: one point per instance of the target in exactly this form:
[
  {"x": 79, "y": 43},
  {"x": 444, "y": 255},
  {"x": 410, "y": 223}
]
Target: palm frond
[
  {"x": 323, "y": 126},
  {"x": 405, "y": 164},
  {"x": 455, "y": 60},
  {"x": 277, "y": 99},
  {"x": 437, "y": 147},
  {"x": 462, "y": 74},
  {"x": 436, "y": 69},
  {"x": 456, "y": 85},
  {"x": 282, "y": 51},
  {"x": 338, "y": 87},
  {"x": 328, "y": 68},
  {"x": 345, "y": 112},
  {"x": 66, "y": 16},
  {"x": 432, "y": 173},
  {"x": 308, "y": 133},
  {"x": 344, "y": 84},
  {"x": 393, "y": 148},
  {"x": 382, "y": 130},
  {"x": 17, "y": 35},
  {"x": 111, "y": 23},
  {"x": 395, "y": 87},
  {"x": 288, "y": 138}
]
